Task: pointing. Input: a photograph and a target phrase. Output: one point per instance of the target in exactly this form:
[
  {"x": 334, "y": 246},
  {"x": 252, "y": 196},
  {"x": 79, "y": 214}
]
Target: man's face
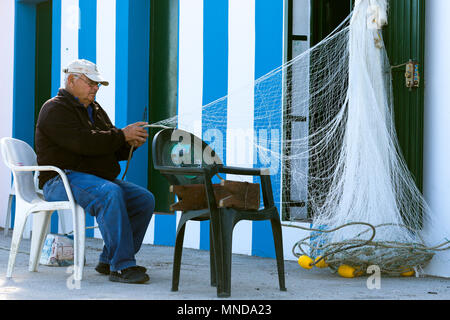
[{"x": 83, "y": 88}]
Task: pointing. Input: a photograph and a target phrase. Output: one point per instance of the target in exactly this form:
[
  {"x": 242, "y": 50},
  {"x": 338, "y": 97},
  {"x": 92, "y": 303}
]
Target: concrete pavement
[{"x": 253, "y": 278}]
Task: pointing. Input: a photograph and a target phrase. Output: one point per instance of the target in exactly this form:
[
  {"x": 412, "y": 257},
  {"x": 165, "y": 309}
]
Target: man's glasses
[{"x": 90, "y": 83}]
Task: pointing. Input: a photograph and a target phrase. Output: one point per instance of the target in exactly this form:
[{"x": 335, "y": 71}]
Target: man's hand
[
  {"x": 135, "y": 135},
  {"x": 135, "y": 144}
]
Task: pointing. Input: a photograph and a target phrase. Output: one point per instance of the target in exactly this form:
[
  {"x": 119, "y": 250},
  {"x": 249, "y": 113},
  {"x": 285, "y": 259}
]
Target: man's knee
[
  {"x": 111, "y": 189},
  {"x": 111, "y": 193},
  {"x": 150, "y": 201}
]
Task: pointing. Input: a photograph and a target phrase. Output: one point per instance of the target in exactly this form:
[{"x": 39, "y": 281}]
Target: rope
[
  {"x": 393, "y": 258},
  {"x": 128, "y": 162},
  {"x": 92, "y": 227},
  {"x": 144, "y": 118},
  {"x": 400, "y": 65}
]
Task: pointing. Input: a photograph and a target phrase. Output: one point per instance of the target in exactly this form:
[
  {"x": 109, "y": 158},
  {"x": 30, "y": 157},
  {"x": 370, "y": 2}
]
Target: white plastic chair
[
  {"x": 11, "y": 195},
  {"x": 27, "y": 230},
  {"x": 21, "y": 159}
]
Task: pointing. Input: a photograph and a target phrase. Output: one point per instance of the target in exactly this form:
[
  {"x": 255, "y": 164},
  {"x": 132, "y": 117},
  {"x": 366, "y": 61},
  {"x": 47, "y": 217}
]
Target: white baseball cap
[{"x": 87, "y": 68}]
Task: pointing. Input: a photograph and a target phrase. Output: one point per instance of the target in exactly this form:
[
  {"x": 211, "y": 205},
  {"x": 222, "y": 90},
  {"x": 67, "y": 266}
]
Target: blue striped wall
[
  {"x": 87, "y": 32},
  {"x": 122, "y": 57},
  {"x": 24, "y": 71},
  {"x": 215, "y": 73},
  {"x": 269, "y": 21},
  {"x": 132, "y": 41},
  {"x": 132, "y": 77},
  {"x": 24, "y": 75},
  {"x": 87, "y": 49},
  {"x": 132, "y": 50},
  {"x": 268, "y": 56},
  {"x": 56, "y": 75},
  {"x": 131, "y": 85},
  {"x": 56, "y": 46}
]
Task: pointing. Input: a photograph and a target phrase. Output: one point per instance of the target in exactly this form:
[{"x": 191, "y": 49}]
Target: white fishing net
[{"x": 326, "y": 120}]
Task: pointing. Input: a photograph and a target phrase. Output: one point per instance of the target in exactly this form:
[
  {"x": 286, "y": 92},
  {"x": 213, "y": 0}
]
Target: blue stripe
[
  {"x": 87, "y": 35},
  {"x": 56, "y": 71},
  {"x": 24, "y": 72},
  {"x": 215, "y": 77},
  {"x": 56, "y": 46},
  {"x": 269, "y": 55},
  {"x": 24, "y": 76},
  {"x": 122, "y": 21},
  {"x": 87, "y": 49},
  {"x": 138, "y": 82},
  {"x": 132, "y": 80}
]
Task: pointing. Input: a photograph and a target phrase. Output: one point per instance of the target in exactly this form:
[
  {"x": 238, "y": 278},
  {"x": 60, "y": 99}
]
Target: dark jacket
[{"x": 66, "y": 138}]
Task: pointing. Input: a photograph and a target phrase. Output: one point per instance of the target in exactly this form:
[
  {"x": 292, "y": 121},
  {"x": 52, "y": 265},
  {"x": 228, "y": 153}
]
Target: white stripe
[
  {"x": 192, "y": 233},
  {"x": 190, "y": 85},
  {"x": 6, "y": 92},
  {"x": 65, "y": 221},
  {"x": 437, "y": 132},
  {"x": 97, "y": 233},
  {"x": 240, "y": 117},
  {"x": 190, "y": 66},
  {"x": 291, "y": 236},
  {"x": 106, "y": 54},
  {"x": 70, "y": 23},
  {"x": 149, "y": 237},
  {"x": 241, "y": 74}
]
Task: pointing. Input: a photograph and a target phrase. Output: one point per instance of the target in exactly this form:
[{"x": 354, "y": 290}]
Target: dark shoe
[
  {"x": 103, "y": 268},
  {"x": 129, "y": 275}
]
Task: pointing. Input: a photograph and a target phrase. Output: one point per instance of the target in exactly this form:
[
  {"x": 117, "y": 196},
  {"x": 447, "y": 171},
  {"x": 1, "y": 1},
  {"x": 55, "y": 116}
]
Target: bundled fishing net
[{"x": 342, "y": 155}]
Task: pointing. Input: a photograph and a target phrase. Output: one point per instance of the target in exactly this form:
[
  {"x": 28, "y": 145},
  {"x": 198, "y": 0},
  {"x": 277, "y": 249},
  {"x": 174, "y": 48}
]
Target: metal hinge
[{"x": 412, "y": 75}]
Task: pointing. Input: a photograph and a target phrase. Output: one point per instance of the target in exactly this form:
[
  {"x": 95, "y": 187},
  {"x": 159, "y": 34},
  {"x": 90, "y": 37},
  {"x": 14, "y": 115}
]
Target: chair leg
[
  {"x": 8, "y": 215},
  {"x": 79, "y": 225},
  {"x": 19, "y": 226},
  {"x": 227, "y": 254},
  {"x": 217, "y": 243},
  {"x": 228, "y": 222},
  {"x": 212, "y": 261},
  {"x": 41, "y": 221},
  {"x": 278, "y": 241},
  {"x": 177, "y": 255}
]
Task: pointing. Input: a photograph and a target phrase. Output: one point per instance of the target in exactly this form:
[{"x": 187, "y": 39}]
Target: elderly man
[{"x": 75, "y": 134}]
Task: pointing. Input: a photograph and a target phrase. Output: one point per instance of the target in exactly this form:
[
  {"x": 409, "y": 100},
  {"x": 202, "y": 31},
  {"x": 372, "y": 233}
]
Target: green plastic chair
[{"x": 183, "y": 159}]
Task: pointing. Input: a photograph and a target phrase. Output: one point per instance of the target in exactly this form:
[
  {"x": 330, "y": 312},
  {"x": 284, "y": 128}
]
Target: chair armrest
[
  {"x": 50, "y": 168},
  {"x": 37, "y": 168},
  {"x": 209, "y": 171},
  {"x": 243, "y": 171},
  {"x": 264, "y": 174},
  {"x": 182, "y": 170}
]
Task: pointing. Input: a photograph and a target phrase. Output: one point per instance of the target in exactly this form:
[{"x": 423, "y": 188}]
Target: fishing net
[{"x": 326, "y": 118}]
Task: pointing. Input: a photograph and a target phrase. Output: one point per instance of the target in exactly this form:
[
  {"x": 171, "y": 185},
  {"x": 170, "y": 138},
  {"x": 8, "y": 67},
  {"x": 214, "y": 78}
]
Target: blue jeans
[{"x": 122, "y": 209}]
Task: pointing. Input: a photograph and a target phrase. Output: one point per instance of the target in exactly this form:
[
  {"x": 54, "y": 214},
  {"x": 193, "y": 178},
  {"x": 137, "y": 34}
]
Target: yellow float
[
  {"x": 347, "y": 271},
  {"x": 320, "y": 264},
  {"x": 305, "y": 262},
  {"x": 408, "y": 273}
]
